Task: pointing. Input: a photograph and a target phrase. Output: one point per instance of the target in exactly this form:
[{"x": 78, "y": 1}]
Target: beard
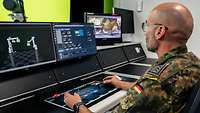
[{"x": 152, "y": 44}]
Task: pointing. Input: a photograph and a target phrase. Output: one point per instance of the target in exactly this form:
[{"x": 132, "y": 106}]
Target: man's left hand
[{"x": 70, "y": 100}]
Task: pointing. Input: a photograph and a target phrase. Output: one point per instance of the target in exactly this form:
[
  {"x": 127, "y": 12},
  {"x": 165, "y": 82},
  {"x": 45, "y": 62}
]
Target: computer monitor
[
  {"x": 127, "y": 19},
  {"x": 23, "y": 45},
  {"x": 74, "y": 40},
  {"x": 107, "y": 28}
]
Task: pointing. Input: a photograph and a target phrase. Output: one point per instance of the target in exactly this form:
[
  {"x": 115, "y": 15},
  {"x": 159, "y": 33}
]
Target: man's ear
[{"x": 160, "y": 32}]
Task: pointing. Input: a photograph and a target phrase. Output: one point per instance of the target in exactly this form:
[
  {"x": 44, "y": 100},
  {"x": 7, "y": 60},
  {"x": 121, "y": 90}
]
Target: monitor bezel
[
  {"x": 58, "y": 61},
  {"x": 105, "y": 41},
  {"x": 27, "y": 67}
]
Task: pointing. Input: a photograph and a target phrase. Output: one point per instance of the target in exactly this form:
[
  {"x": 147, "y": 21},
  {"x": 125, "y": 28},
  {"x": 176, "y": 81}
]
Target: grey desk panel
[
  {"x": 32, "y": 106},
  {"x": 77, "y": 68},
  {"x": 23, "y": 84}
]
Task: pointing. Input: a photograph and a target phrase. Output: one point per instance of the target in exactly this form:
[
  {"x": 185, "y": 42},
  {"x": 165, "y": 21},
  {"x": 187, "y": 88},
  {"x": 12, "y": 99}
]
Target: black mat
[
  {"x": 147, "y": 61},
  {"x": 131, "y": 69}
]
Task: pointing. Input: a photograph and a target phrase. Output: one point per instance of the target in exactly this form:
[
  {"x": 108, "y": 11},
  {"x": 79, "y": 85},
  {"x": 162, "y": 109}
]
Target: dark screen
[
  {"x": 25, "y": 44},
  {"x": 134, "y": 52},
  {"x": 74, "y": 40},
  {"x": 78, "y": 7},
  {"x": 110, "y": 57},
  {"x": 127, "y": 19}
]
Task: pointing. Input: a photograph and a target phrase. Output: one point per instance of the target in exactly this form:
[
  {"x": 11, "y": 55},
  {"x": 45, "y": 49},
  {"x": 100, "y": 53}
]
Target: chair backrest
[{"x": 193, "y": 99}]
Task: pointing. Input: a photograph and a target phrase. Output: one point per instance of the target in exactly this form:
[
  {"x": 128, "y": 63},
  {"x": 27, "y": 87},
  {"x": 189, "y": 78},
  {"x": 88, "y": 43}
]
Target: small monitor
[
  {"x": 74, "y": 40},
  {"x": 23, "y": 45},
  {"x": 127, "y": 19},
  {"x": 107, "y": 28}
]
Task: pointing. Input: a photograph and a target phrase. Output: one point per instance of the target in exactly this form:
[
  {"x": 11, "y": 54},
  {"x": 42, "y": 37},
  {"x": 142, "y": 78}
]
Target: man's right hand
[
  {"x": 116, "y": 82},
  {"x": 113, "y": 80}
]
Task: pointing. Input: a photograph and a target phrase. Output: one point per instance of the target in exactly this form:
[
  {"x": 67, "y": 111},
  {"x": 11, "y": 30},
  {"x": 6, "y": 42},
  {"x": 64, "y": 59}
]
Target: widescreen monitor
[
  {"x": 127, "y": 19},
  {"x": 107, "y": 28},
  {"x": 73, "y": 40},
  {"x": 23, "y": 45}
]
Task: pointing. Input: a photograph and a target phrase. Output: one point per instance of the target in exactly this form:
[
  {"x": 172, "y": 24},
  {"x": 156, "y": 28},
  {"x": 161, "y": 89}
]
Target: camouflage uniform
[{"x": 165, "y": 85}]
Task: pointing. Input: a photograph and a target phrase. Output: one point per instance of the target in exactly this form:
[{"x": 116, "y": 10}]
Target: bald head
[{"x": 176, "y": 17}]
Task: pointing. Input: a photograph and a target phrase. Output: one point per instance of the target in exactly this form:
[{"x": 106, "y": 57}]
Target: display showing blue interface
[
  {"x": 91, "y": 91},
  {"x": 74, "y": 40},
  {"x": 88, "y": 92}
]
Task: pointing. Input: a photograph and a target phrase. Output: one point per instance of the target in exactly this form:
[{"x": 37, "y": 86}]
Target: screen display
[
  {"x": 88, "y": 92},
  {"x": 25, "y": 44},
  {"x": 127, "y": 19},
  {"x": 106, "y": 26},
  {"x": 74, "y": 40},
  {"x": 91, "y": 91}
]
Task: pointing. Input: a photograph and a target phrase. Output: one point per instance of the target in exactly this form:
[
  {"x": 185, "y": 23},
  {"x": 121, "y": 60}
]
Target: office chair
[{"x": 193, "y": 100}]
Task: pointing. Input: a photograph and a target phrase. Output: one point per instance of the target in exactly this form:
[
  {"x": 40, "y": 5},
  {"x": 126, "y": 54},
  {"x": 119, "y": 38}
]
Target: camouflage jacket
[{"x": 164, "y": 86}]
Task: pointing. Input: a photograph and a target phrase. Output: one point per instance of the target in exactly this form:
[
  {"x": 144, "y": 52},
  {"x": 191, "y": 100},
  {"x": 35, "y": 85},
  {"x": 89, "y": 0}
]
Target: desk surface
[
  {"x": 36, "y": 106},
  {"x": 32, "y": 105},
  {"x": 108, "y": 103}
]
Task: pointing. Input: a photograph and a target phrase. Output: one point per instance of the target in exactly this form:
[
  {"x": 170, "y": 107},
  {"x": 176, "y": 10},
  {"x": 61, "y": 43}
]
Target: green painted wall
[
  {"x": 42, "y": 11},
  {"x": 48, "y": 10},
  {"x": 108, "y": 4},
  {"x": 3, "y": 12}
]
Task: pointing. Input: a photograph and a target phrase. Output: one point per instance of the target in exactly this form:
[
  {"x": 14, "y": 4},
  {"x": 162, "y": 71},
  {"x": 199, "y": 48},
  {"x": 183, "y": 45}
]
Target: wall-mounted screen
[
  {"x": 24, "y": 45},
  {"x": 74, "y": 40},
  {"x": 127, "y": 19},
  {"x": 107, "y": 28}
]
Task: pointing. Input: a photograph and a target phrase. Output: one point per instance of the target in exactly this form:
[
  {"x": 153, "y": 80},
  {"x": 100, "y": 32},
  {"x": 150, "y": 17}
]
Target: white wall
[{"x": 139, "y": 17}]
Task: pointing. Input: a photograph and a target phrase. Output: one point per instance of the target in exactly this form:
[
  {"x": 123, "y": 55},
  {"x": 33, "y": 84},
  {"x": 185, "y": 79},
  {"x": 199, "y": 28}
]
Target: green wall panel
[
  {"x": 48, "y": 10},
  {"x": 42, "y": 11},
  {"x": 108, "y": 4},
  {"x": 3, "y": 13}
]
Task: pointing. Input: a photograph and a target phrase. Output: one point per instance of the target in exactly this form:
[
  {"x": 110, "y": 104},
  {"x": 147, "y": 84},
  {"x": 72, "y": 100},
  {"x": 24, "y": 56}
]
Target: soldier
[{"x": 164, "y": 87}]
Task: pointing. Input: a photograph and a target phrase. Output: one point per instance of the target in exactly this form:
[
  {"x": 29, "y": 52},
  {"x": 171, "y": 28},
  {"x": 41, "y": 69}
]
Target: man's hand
[
  {"x": 113, "y": 80},
  {"x": 70, "y": 100},
  {"x": 116, "y": 82}
]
